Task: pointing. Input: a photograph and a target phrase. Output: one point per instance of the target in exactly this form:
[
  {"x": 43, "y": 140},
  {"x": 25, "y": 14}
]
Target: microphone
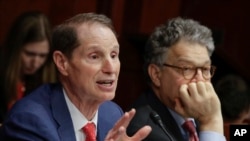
[{"x": 157, "y": 119}]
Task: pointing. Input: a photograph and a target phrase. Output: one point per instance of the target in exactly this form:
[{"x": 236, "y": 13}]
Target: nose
[
  {"x": 198, "y": 75},
  {"x": 108, "y": 66},
  {"x": 37, "y": 61}
]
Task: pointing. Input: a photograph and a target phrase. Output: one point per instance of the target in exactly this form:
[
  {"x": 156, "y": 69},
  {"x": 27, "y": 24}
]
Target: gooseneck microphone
[{"x": 157, "y": 119}]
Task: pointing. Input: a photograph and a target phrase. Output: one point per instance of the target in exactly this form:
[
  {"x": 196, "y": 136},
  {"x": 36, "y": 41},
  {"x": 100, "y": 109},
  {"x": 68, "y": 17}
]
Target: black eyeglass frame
[{"x": 212, "y": 70}]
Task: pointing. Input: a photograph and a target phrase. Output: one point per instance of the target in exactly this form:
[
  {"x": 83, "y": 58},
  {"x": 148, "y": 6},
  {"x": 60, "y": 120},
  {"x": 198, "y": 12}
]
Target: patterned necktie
[
  {"x": 89, "y": 130},
  {"x": 189, "y": 127}
]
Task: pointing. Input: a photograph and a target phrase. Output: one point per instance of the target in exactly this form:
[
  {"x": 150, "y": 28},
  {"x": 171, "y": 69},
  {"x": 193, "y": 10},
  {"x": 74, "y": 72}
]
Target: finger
[
  {"x": 211, "y": 91},
  {"x": 115, "y": 130},
  {"x": 125, "y": 119},
  {"x": 122, "y": 122},
  {"x": 115, "y": 134},
  {"x": 209, "y": 87},
  {"x": 192, "y": 88},
  {"x": 142, "y": 133},
  {"x": 184, "y": 95},
  {"x": 201, "y": 88},
  {"x": 131, "y": 114}
]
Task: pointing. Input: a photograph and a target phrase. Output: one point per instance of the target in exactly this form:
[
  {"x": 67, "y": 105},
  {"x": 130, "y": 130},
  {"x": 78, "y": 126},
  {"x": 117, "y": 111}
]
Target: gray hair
[{"x": 170, "y": 33}]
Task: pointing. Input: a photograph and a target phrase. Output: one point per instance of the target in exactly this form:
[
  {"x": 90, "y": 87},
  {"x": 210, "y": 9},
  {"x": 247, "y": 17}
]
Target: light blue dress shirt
[{"x": 203, "y": 135}]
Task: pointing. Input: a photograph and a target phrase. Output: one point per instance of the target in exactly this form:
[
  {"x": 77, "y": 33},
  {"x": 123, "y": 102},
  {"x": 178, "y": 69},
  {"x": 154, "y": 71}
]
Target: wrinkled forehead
[
  {"x": 92, "y": 29},
  {"x": 96, "y": 37},
  {"x": 193, "y": 53}
]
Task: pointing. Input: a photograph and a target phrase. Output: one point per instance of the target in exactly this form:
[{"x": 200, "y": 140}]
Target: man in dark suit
[
  {"x": 178, "y": 70},
  {"x": 86, "y": 54}
]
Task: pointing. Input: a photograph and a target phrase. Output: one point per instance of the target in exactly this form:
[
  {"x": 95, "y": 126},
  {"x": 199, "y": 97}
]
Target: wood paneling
[
  {"x": 10, "y": 9},
  {"x": 141, "y": 16},
  {"x": 56, "y": 10}
]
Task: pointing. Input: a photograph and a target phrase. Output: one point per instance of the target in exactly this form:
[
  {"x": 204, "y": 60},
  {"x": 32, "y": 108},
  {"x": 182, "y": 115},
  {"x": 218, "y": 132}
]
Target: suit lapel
[
  {"x": 104, "y": 123},
  {"x": 108, "y": 115},
  {"x": 101, "y": 131},
  {"x": 61, "y": 115}
]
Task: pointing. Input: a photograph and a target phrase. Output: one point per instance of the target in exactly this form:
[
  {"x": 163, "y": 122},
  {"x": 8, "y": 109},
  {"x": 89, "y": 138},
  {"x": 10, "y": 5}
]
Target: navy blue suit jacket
[{"x": 44, "y": 115}]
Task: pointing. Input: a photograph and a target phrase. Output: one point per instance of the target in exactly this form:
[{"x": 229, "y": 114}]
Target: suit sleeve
[{"x": 29, "y": 126}]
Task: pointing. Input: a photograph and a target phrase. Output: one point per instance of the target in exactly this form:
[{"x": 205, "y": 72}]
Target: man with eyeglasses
[{"x": 179, "y": 69}]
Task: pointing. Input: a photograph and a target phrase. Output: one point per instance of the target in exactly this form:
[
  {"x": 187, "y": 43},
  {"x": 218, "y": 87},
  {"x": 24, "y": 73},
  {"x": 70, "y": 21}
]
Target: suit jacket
[
  {"x": 145, "y": 105},
  {"x": 44, "y": 116}
]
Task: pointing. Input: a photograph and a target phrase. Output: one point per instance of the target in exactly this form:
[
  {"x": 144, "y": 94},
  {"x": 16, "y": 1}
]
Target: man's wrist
[{"x": 213, "y": 124}]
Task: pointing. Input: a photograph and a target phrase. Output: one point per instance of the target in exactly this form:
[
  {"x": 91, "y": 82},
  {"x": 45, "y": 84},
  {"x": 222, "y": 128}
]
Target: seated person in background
[
  {"x": 24, "y": 58},
  {"x": 234, "y": 95},
  {"x": 179, "y": 70},
  {"x": 86, "y": 54}
]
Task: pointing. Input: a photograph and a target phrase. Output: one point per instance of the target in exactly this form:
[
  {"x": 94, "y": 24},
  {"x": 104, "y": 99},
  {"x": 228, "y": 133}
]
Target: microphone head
[
  {"x": 155, "y": 116},
  {"x": 157, "y": 119}
]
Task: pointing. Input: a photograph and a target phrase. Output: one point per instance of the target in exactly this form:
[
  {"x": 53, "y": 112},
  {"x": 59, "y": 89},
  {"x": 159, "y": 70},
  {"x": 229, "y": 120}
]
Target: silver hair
[{"x": 170, "y": 33}]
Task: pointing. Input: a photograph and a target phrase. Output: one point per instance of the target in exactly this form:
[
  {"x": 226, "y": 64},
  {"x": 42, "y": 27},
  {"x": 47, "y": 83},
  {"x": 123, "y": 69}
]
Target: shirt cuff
[{"x": 211, "y": 136}]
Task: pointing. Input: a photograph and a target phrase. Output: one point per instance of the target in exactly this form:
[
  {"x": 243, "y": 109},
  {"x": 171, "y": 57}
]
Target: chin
[
  {"x": 30, "y": 72},
  {"x": 108, "y": 96}
]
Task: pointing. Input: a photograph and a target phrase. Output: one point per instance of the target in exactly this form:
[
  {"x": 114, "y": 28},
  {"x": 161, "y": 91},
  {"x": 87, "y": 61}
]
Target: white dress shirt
[{"x": 78, "y": 119}]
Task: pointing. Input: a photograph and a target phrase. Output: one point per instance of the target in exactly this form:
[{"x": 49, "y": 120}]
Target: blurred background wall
[{"x": 134, "y": 20}]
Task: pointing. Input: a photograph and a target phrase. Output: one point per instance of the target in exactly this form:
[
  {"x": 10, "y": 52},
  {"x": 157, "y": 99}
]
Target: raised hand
[{"x": 118, "y": 132}]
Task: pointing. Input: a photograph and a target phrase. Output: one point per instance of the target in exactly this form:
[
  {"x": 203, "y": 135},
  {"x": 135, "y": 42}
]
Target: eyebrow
[
  {"x": 34, "y": 53},
  {"x": 184, "y": 60},
  {"x": 94, "y": 47}
]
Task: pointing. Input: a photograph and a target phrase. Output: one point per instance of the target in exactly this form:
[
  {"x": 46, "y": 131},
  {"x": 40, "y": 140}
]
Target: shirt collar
[
  {"x": 78, "y": 119},
  {"x": 180, "y": 120}
]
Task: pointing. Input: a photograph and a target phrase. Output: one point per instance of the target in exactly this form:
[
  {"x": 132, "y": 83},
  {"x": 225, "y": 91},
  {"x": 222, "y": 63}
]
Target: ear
[
  {"x": 61, "y": 62},
  {"x": 155, "y": 74}
]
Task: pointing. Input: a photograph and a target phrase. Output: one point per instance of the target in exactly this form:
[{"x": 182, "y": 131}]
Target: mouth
[
  {"x": 29, "y": 70},
  {"x": 106, "y": 83}
]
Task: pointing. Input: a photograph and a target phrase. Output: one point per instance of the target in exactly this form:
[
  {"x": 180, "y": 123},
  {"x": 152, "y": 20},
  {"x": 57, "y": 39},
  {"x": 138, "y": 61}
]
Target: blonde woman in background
[{"x": 25, "y": 58}]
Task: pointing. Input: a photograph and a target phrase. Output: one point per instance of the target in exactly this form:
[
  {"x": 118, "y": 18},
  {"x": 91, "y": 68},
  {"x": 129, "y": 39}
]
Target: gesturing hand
[{"x": 118, "y": 132}]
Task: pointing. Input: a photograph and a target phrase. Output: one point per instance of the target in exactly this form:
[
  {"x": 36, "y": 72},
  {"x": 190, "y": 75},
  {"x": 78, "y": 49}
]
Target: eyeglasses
[{"x": 190, "y": 72}]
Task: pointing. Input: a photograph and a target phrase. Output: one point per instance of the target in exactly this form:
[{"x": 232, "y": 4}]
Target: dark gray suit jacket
[{"x": 145, "y": 105}]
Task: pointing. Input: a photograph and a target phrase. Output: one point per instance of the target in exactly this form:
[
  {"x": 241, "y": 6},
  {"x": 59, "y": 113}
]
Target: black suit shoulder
[
  {"x": 145, "y": 105},
  {"x": 143, "y": 117}
]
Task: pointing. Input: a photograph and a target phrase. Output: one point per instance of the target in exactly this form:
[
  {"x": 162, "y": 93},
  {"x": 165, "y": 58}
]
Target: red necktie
[
  {"x": 189, "y": 127},
  {"x": 89, "y": 130}
]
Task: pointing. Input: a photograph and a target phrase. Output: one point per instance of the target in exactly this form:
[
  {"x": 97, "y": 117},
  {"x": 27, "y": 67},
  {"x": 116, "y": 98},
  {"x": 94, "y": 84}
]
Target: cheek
[
  {"x": 118, "y": 66},
  {"x": 80, "y": 72},
  {"x": 180, "y": 82},
  {"x": 42, "y": 61},
  {"x": 174, "y": 86},
  {"x": 78, "y": 76},
  {"x": 25, "y": 60}
]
